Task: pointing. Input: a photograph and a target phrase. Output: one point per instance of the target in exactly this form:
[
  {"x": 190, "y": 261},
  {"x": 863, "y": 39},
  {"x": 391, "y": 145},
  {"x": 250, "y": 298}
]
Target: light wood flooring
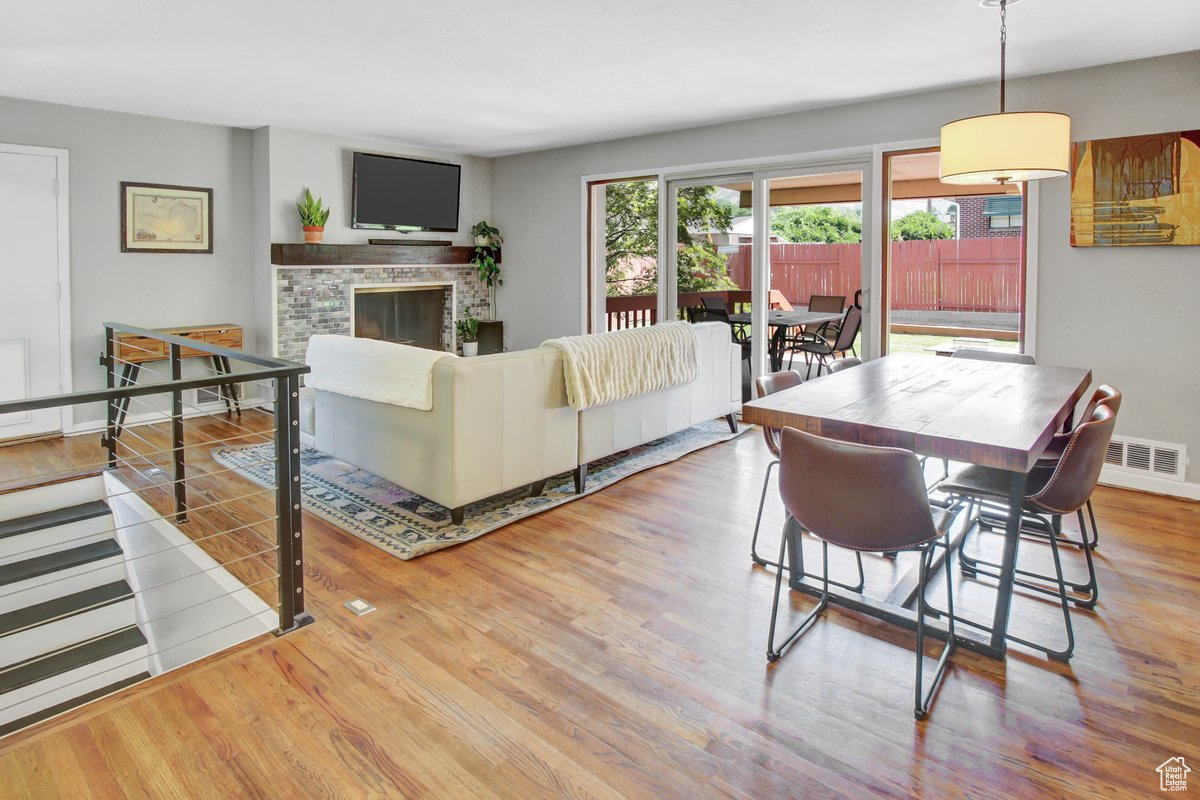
[{"x": 615, "y": 648}]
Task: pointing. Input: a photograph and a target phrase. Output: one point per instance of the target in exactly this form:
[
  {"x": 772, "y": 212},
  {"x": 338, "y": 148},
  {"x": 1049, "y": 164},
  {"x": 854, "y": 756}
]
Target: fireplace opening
[{"x": 408, "y": 316}]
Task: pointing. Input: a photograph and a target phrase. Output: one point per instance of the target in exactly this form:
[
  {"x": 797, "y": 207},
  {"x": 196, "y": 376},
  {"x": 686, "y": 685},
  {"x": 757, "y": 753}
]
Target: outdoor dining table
[
  {"x": 980, "y": 412},
  {"x": 783, "y": 320}
]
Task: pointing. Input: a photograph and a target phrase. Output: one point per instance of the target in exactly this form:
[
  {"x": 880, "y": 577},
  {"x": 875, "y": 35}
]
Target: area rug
[{"x": 408, "y": 525}]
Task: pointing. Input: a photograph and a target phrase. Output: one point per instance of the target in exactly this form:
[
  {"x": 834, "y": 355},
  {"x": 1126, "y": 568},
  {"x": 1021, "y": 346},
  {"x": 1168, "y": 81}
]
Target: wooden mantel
[{"x": 353, "y": 255}]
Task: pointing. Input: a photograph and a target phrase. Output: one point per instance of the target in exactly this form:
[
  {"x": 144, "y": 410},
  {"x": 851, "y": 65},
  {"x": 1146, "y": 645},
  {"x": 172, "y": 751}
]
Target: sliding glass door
[{"x": 954, "y": 263}]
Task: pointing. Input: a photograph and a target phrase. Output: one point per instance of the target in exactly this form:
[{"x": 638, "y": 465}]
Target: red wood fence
[{"x": 934, "y": 275}]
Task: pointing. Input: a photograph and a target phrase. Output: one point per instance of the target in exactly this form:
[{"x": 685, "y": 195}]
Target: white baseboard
[
  {"x": 1149, "y": 483},
  {"x": 150, "y": 417}
]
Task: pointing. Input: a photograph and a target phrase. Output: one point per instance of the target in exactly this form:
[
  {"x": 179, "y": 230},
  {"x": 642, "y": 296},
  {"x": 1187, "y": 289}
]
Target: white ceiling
[{"x": 492, "y": 77}]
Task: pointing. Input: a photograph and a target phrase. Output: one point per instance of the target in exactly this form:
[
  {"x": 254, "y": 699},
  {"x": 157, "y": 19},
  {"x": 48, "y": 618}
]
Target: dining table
[
  {"x": 782, "y": 321},
  {"x": 993, "y": 414}
]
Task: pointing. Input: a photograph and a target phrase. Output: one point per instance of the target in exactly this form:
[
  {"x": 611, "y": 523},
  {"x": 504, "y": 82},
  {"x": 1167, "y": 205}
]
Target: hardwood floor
[{"x": 615, "y": 648}]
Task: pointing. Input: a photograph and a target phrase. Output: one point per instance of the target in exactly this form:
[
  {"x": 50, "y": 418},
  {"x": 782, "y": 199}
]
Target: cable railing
[{"x": 210, "y": 550}]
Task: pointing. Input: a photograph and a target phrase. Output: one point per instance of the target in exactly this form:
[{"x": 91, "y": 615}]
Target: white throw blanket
[
  {"x": 602, "y": 368},
  {"x": 373, "y": 370}
]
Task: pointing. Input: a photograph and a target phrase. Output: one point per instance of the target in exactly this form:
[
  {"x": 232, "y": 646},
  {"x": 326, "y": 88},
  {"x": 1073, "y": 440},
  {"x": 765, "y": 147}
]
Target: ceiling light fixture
[{"x": 1008, "y": 147}]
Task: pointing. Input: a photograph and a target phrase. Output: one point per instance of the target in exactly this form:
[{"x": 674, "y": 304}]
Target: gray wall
[
  {"x": 1126, "y": 313},
  {"x": 323, "y": 163},
  {"x": 142, "y": 288}
]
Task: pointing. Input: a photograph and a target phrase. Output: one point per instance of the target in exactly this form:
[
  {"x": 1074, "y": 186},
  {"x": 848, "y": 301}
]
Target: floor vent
[
  {"x": 211, "y": 395},
  {"x": 1160, "y": 459}
]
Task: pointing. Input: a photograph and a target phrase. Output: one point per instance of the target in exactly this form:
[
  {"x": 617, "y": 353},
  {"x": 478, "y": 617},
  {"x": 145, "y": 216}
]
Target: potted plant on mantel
[
  {"x": 487, "y": 244},
  {"x": 468, "y": 332},
  {"x": 313, "y": 217}
]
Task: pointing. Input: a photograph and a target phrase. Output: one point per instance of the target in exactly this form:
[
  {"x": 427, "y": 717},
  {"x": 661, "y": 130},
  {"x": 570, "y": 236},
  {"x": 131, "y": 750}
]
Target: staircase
[{"x": 68, "y": 616}]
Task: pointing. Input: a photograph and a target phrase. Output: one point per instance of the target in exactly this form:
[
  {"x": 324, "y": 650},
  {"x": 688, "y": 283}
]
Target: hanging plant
[{"x": 487, "y": 245}]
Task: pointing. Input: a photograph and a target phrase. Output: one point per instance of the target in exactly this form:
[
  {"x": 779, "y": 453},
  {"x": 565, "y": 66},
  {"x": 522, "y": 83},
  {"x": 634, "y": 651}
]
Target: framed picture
[
  {"x": 156, "y": 218},
  {"x": 1136, "y": 190}
]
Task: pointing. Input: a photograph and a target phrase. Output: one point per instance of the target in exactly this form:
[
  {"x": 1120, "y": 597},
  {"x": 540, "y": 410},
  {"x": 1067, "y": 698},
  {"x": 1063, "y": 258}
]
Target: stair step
[
  {"x": 53, "y": 562},
  {"x": 53, "y": 519},
  {"x": 42, "y": 667},
  {"x": 61, "y": 607},
  {"x": 25, "y": 502},
  {"x": 47, "y": 713}
]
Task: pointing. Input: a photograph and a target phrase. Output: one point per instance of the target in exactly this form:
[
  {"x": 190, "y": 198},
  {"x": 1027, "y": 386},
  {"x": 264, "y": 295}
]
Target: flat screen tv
[{"x": 404, "y": 194}]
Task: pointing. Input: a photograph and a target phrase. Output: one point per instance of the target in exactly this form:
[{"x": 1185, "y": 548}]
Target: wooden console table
[{"x": 132, "y": 351}]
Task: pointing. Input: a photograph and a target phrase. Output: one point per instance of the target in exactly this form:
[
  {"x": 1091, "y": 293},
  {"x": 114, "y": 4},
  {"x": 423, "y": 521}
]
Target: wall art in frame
[
  {"x": 1136, "y": 190},
  {"x": 158, "y": 218}
]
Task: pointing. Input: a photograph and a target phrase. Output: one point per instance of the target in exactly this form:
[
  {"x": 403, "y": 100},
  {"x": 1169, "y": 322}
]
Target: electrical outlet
[{"x": 359, "y": 606}]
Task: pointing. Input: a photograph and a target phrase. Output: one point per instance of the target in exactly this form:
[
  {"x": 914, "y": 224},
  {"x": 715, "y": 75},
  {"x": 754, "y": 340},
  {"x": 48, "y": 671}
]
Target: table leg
[
  {"x": 237, "y": 406},
  {"x": 1012, "y": 536}
]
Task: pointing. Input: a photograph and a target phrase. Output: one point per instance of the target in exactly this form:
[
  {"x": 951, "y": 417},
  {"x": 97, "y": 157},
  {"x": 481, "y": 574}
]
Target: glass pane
[
  {"x": 630, "y": 252},
  {"x": 713, "y": 221},
  {"x": 954, "y": 261}
]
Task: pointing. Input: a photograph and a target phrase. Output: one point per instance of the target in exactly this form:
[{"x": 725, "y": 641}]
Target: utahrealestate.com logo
[{"x": 1172, "y": 775}]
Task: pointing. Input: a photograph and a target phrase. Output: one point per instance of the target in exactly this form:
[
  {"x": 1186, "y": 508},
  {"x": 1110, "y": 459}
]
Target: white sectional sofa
[{"x": 502, "y": 421}]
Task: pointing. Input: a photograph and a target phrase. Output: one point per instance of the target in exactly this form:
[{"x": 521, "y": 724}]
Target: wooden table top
[
  {"x": 789, "y": 319},
  {"x": 980, "y": 412}
]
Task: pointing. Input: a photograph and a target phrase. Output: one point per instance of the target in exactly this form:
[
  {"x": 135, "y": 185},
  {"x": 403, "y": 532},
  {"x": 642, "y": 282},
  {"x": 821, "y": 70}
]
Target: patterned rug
[{"x": 407, "y": 525}]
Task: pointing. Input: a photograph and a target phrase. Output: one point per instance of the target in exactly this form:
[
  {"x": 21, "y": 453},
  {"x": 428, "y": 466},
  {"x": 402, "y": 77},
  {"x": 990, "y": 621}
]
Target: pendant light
[{"x": 1008, "y": 147}]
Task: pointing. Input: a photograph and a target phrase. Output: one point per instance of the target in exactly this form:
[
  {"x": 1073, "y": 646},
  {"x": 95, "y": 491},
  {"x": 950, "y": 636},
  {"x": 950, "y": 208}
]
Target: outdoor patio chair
[
  {"x": 1051, "y": 492},
  {"x": 823, "y": 349},
  {"x": 702, "y": 314},
  {"x": 862, "y": 498},
  {"x": 714, "y": 303}
]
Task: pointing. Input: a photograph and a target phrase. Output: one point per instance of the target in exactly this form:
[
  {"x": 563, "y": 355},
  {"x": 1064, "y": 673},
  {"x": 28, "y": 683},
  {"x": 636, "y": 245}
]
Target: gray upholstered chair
[
  {"x": 763, "y": 386},
  {"x": 1051, "y": 491},
  {"x": 839, "y": 364},
  {"x": 862, "y": 498}
]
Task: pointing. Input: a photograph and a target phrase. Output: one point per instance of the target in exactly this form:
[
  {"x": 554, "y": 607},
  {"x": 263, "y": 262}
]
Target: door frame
[
  {"x": 1028, "y": 323},
  {"x": 61, "y": 158}
]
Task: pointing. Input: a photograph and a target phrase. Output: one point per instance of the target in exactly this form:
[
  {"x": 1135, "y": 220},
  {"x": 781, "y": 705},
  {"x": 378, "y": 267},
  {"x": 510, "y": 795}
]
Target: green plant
[
  {"x": 920, "y": 225},
  {"x": 485, "y": 229},
  {"x": 312, "y": 213},
  {"x": 468, "y": 326}
]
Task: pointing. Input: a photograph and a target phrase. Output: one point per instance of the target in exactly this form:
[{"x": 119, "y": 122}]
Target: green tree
[
  {"x": 920, "y": 225},
  {"x": 816, "y": 224},
  {"x": 631, "y": 233}
]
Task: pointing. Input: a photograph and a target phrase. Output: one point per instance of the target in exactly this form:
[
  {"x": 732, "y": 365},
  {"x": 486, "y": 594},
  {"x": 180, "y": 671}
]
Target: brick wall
[
  {"x": 318, "y": 300},
  {"x": 972, "y": 224}
]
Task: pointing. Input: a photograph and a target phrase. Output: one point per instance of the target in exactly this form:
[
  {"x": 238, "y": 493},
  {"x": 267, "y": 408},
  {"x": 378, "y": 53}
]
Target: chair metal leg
[
  {"x": 773, "y": 652},
  {"x": 1095, "y": 540},
  {"x": 922, "y": 700},
  {"x": 1063, "y": 655},
  {"x": 758, "y": 520}
]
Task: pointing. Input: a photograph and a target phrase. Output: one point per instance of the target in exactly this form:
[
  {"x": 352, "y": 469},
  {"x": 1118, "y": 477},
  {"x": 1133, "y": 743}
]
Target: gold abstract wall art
[{"x": 1136, "y": 190}]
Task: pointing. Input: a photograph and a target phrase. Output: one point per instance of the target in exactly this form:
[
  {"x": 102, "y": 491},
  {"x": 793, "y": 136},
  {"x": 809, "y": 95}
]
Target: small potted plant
[
  {"x": 487, "y": 245},
  {"x": 313, "y": 216},
  {"x": 468, "y": 332},
  {"x": 486, "y": 234}
]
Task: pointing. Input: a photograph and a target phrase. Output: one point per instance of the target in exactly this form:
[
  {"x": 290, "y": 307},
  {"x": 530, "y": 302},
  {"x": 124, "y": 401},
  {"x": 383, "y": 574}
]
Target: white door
[{"x": 30, "y": 347}]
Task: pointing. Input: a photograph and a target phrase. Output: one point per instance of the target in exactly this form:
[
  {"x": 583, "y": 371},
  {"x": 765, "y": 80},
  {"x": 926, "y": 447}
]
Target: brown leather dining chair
[
  {"x": 862, "y": 498},
  {"x": 1084, "y": 595},
  {"x": 1052, "y": 490},
  {"x": 763, "y": 386}
]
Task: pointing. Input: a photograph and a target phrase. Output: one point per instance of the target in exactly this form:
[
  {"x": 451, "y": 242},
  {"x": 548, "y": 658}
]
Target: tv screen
[{"x": 392, "y": 193}]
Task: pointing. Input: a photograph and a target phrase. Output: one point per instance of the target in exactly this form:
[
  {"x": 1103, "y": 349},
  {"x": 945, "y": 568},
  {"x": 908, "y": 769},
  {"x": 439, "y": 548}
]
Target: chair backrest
[
  {"x": 701, "y": 314},
  {"x": 1105, "y": 395},
  {"x": 993, "y": 355},
  {"x": 826, "y": 302},
  {"x": 858, "y": 298},
  {"x": 849, "y": 330},
  {"x": 713, "y": 303},
  {"x": 854, "y": 495},
  {"x": 770, "y": 384},
  {"x": 839, "y": 364},
  {"x": 1074, "y": 478}
]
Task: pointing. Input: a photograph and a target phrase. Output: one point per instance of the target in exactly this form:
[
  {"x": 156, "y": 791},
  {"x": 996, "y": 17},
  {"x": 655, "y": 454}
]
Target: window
[{"x": 1003, "y": 212}]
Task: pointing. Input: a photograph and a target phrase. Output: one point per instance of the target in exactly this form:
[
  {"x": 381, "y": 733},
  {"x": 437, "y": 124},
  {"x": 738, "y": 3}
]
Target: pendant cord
[{"x": 1003, "y": 42}]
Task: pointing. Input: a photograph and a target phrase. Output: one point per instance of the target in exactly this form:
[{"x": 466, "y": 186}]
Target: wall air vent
[{"x": 1159, "y": 459}]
